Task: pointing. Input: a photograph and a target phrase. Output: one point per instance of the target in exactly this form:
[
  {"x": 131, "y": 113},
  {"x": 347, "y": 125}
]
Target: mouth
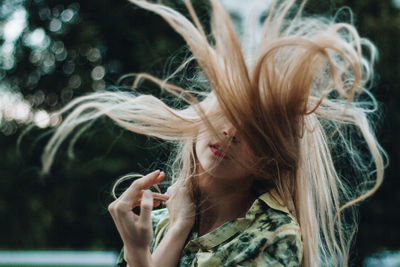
[{"x": 216, "y": 150}]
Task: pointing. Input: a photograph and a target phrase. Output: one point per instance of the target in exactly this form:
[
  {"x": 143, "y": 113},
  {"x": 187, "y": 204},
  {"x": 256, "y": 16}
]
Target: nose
[{"x": 230, "y": 133}]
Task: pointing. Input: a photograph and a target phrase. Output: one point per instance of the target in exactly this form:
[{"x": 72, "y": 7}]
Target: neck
[{"x": 222, "y": 200}]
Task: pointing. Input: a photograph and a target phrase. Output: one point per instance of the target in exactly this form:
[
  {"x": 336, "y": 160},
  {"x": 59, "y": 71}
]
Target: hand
[
  {"x": 181, "y": 209},
  {"x": 136, "y": 230}
]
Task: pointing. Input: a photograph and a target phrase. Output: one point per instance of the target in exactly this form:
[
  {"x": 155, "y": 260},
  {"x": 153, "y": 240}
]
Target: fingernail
[{"x": 157, "y": 171}]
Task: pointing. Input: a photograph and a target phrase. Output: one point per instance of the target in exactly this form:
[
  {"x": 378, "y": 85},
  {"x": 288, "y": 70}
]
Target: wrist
[
  {"x": 137, "y": 256},
  {"x": 181, "y": 227}
]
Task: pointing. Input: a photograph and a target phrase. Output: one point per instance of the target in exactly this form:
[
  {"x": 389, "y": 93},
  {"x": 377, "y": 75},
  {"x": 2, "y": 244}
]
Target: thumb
[{"x": 145, "y": 208}]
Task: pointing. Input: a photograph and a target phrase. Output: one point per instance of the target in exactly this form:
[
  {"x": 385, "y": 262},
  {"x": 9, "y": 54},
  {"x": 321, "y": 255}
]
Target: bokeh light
[
  {"x": 14, "y": 110},
  {"x": 98, "y": 73},
  {"x": 42, "y": 119}
]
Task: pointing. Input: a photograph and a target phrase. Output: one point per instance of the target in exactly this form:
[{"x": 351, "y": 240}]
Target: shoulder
[
  {"x": 280, "y": 230},
  {"x": 271, "y": 214},
  {"x": 272, "y": 237},
  {"x": 284, "y": 247},
  {"x": 271, "y": 220}
]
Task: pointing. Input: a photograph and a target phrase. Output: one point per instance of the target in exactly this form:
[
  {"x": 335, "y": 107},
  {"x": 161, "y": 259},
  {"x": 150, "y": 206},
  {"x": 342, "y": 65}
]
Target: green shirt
[{"x": 268, "y": 235}]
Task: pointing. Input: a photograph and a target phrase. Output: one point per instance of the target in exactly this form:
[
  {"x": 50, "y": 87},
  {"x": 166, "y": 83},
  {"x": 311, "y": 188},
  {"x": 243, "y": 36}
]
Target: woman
[
  {"x": 264, "y": 161},
  {"x": 227, "y": 191}
]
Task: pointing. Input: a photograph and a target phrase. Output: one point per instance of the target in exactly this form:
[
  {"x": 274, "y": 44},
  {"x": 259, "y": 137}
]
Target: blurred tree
[
  {"x": 380, "y": 22},
  {"x": 59, "y": 50}
]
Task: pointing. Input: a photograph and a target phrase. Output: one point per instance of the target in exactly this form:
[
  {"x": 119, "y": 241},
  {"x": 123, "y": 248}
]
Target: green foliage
[{"x": 69, "y": 48}]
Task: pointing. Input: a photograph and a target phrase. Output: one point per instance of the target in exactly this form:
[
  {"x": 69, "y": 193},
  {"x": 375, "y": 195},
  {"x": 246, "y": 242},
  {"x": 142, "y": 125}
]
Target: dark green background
[{"x": 68, "y": 208}]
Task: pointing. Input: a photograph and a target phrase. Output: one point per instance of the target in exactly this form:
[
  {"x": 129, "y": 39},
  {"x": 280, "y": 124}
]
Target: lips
[{"x": 215, "y": 149}]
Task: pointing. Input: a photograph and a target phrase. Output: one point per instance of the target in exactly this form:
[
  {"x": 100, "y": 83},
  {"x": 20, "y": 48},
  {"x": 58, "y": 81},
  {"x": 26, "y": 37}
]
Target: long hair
[{"x": 299, "y": 97}]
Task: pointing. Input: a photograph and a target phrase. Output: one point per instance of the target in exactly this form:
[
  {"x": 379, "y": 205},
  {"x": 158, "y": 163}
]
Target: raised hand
[
  {"x": 136, "y": 230},
  {"x": 181, "y": 209},
  {"x": 181, "y": 220}
]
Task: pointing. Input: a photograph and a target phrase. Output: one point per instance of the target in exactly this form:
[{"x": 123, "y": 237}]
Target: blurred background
[{"x": 52, "y": 51}]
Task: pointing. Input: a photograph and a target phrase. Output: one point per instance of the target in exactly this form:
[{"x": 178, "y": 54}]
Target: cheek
[
  {"x": 242, "y": 163},
  {"x": 231, "y": 169},
  {"x": 199, "y": 145},
  {"x": 207, "y": 162},
  {"x": 248, "y": 155},
  {"x": 200, "y": 149}
]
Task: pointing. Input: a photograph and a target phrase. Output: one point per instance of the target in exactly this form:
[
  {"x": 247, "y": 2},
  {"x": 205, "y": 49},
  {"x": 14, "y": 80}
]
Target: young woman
[{"x": 270, "y": 163}]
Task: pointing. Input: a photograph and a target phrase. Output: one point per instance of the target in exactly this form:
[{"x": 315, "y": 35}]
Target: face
[{"x": 223, "y": 157}]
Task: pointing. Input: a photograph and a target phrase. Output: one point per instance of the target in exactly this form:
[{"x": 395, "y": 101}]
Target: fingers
[
  {"x": 150, "y": 179},
  {"x": 157, "y": 199},
  {"x": 135, "y": 189},
  {"x": 146, "y": 207},
  {"x": 160, "y": 197}
]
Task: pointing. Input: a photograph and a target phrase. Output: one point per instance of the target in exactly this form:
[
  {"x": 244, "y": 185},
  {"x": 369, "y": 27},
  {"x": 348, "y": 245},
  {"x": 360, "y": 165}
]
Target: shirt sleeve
[
  {"x": 121, "y": 262},
  {"x": 285, "y": 249}
]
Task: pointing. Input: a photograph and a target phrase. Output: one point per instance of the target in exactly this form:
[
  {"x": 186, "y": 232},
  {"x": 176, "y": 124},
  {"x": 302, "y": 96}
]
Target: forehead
[{"x": 217, "y": 116}]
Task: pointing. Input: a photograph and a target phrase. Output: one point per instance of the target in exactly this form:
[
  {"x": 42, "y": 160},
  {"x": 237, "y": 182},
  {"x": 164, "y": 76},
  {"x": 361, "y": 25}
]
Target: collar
[
  {"x": 273, "y": 200},
  {"x": 232, "y": 227}
]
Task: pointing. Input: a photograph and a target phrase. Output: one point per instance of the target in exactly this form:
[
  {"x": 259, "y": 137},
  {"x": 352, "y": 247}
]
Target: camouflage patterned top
[{"x": 267, "y": 236}]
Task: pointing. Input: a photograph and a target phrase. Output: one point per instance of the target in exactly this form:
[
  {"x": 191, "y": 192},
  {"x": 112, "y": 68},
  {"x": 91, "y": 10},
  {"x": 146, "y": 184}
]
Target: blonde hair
[{"x": 299, "y": 98}]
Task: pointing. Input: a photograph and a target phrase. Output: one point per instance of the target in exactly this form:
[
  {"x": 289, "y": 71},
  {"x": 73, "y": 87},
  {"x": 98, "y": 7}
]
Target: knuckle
[
  {"x": 116, "y": 207},
  {"x": 146, "y": 208},
  {"x": 142, "y": 227},
  {"x": 111, "y": 207},
  {"x": 136, "y": 183},
  {"x": 172, "y": 188},
  {"x": 120, "y": 208}
]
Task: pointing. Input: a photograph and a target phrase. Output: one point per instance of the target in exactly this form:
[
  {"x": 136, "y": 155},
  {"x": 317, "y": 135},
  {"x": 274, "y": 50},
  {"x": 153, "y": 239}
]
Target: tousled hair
[{"x": 298, "y": 95}]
